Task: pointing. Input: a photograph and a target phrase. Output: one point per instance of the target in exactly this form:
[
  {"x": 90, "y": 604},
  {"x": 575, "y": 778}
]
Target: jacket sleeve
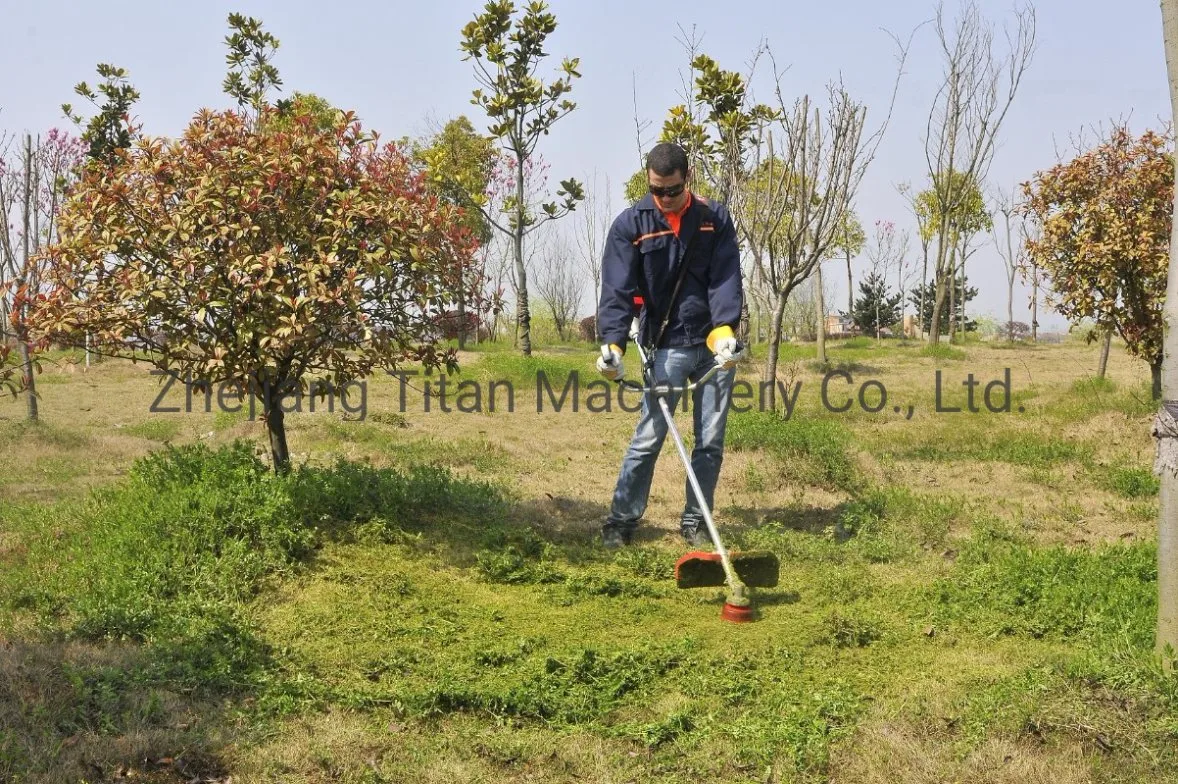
[
  {"x": 620, "y": 268},
  {"x": 725, "y": 288}
]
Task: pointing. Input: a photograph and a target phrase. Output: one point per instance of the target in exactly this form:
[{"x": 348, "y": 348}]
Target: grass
[
  {"x": 422, "y": 599},
  {"x": 810, "y": 450}
]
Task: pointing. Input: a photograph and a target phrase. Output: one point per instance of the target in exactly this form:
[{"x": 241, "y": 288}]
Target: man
[{"x": 668, "y": 234}]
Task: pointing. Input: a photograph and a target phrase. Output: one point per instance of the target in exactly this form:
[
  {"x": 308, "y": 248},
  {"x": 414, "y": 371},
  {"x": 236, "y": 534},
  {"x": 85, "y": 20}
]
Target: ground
[{"x": 964, "y": 596}]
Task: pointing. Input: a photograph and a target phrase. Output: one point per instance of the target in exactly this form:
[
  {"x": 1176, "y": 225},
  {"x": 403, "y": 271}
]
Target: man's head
[{"x": 667, "y": 176}]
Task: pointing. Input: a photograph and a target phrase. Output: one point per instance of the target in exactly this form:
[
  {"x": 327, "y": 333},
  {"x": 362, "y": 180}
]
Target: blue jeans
[{"x": 710, "y": 402}]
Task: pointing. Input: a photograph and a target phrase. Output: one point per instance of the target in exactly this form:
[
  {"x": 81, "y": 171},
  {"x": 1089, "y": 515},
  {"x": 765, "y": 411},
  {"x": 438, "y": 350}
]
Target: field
[{"x": 965, "y": 597}]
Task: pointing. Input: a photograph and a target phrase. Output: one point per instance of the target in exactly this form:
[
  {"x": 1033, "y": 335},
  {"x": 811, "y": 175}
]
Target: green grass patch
[
  {"x": 172, "y": 555},
  {"x": 1016, "y": 447},
  {"x": 157, "y": 429},
  {"x": 1091, "y": 396},
  {"x": 1131, "y": 482},
  {"x": 809, "y": 450},
  {"x": 1105, "y": 595},
  {"x": 943, "y": 351}
]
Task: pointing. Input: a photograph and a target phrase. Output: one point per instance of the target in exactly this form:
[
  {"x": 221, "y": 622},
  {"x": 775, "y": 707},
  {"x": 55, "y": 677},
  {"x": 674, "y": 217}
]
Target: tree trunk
[
  {"x": 850, "y": 286},
  {"x": 953, "y": 307},
  {"x": 1035, "y": 304},
  {"x": 1167, "y": 383},
  {"x": 276, "y": 429},
  {"x": 820, "y": 307},
  {"x": 1155, "y": 372},
  {"x": 26, "y": 357},
  {"x": 942, "y": 269},
  {"x": 462, "y": 321},
  {"x": 1010, "y": 308},
  {"x": 774, "y": 350},
  {"x": 938, "y": 303},
  {"x": 1104, "y": 347},
  {"x": 923, "y": 286},
  {"x": 22, "y": 332},
  {"x": 523, "y": 314},
  {"x": 961, "y": 322}
]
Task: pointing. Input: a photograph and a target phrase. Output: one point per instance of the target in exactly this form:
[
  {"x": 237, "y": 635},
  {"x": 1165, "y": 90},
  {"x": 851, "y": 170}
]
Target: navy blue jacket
[{"x": 642, "y": 256}]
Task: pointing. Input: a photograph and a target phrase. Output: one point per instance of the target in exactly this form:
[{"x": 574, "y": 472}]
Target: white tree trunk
[
  {"x": 1167, "y": 636},
  {"x": 820, "y": 311}
]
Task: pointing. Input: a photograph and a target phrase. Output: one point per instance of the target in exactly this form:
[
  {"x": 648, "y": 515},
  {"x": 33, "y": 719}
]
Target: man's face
[{"x": 670, "y": 192}]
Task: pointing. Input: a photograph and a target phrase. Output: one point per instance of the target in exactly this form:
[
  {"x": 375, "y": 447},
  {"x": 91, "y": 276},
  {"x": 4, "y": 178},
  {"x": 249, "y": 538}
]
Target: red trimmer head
[{"x": 700, "y": 569}]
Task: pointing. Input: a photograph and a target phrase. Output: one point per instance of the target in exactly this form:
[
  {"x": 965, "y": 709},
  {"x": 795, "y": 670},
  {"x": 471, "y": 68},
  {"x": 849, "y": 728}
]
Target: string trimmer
[{"x": 699, "y": 569}]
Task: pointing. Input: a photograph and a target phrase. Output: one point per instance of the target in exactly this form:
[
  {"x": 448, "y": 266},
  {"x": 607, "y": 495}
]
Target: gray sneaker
[{"x": 695, "y": 536}]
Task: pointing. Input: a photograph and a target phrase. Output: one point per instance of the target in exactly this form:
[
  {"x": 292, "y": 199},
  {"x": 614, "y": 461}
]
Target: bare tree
[
  {"x": 797, "y": 320},
  {"x": 890, "y": 252},
  {"x": 802, "y": 196},
  {"x": 976, "y": 92},
  {"x": 919, "y": 207},
  {"x": 560, "y": 286},
  {"x": 1012, "y": 247},
  {"x": 591, "y": 226}
]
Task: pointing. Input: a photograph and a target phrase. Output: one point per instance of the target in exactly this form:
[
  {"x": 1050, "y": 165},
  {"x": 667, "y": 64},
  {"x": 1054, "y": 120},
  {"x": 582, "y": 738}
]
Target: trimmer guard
[{"x": 699, "y": 569}]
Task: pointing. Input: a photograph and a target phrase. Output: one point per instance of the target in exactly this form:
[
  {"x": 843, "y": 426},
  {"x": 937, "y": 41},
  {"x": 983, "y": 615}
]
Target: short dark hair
[{"x": 666, "y": 158}]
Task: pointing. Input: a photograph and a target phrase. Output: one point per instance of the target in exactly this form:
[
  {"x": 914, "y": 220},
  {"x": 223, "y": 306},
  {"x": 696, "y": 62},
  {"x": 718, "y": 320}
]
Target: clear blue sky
[{"x": 398, "y": 65}]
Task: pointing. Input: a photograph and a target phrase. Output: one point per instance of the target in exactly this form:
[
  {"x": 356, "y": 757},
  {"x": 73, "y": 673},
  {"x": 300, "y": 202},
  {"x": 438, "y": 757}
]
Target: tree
[
  {"x": 560, "y": 287},
  {"x": 976, "y": 92},
  {"x": 315, "y": 254},
  {"x": 1104, "y": 222},
  {"x": 1165, "y": 425},
  {"x": 876, "y": 308},
  {"x": 923, "y": 297},
  {"x": 960, "y": 222},
  {"x": 111, "y": 128},
  {"x": 637, "y": 186},
  {"x": 849, "y": 244},
  {"x": 1012, "y": 248},
  {"x": 251, "y": 73},
  {"x": 789, "y": 173},
  {"x": 459, "y": 162},
  {"x": 889, "y": 251},
  {"x": 521, "y": 108},
  {"x": 33, "y": 183},
  {"x": 592, "y": 230}
]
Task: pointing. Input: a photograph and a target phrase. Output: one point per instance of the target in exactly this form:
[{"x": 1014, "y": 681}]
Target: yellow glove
[
  {"x": 717, "y": 334},
  {"x": 723, "y": 343}
]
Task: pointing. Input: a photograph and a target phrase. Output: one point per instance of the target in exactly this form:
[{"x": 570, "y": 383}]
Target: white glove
[
  {"x": 728, "y": 351},
  {"x": 609, "y": 364}
]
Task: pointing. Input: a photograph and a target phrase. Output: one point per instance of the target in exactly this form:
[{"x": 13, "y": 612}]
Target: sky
[{"x": 399, "y": 67}]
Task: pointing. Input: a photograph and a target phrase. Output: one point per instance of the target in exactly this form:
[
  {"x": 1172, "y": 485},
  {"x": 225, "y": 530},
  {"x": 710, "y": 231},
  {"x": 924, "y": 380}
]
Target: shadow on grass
[
  {"x": 844, "y": 366},
  {"x": 811, "y": 520}
]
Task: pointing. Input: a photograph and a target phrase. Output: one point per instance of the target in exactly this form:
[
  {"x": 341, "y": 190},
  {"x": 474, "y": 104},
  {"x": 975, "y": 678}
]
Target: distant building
[{"x": 840, "y": 326}]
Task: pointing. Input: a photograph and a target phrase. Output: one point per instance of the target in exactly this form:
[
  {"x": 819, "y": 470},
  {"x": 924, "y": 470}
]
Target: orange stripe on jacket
[{"x": 648, "y": 236}]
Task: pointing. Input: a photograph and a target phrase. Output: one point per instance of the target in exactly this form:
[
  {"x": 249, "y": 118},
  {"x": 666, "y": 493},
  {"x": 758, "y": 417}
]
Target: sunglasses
[{"x": 668, "y": 192}]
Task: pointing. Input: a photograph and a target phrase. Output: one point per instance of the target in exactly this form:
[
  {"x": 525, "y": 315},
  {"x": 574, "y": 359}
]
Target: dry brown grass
[{"x": 52, "y": 710}]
